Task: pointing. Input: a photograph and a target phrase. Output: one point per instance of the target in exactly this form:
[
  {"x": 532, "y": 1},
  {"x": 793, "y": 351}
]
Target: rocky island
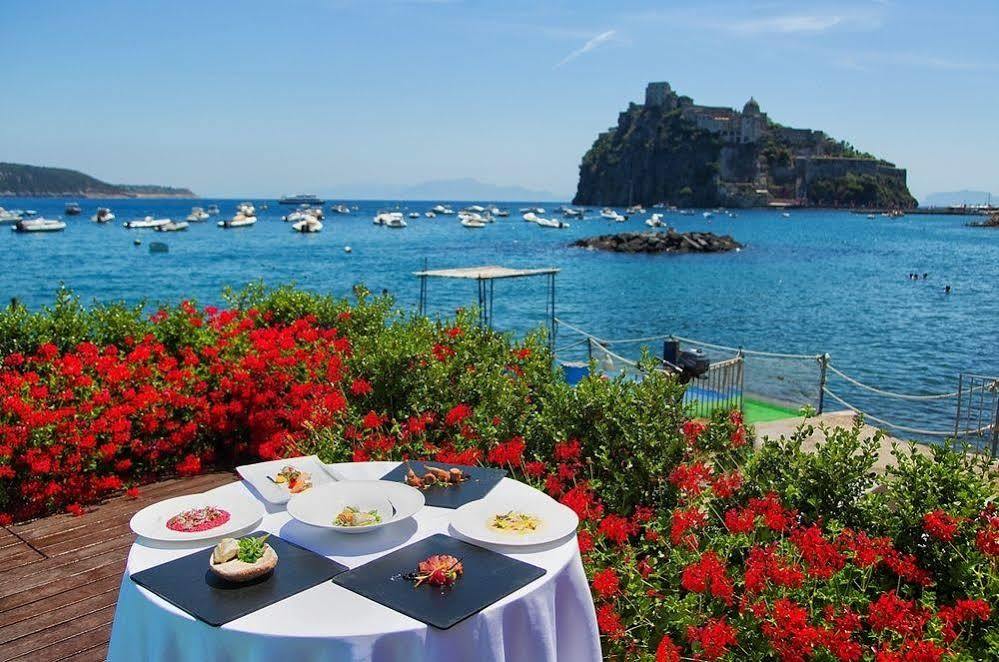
[
  {"x": 18, "y": 180},
  {"x": 671, "y": 150},
  {"x": 670, "y": 241}
]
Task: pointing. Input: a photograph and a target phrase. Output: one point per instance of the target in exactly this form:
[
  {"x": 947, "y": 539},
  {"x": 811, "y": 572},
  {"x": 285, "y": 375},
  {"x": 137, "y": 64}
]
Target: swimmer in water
[{"x": 947, "y": 290}]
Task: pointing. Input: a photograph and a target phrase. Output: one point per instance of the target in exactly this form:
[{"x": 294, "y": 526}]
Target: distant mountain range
[
  {"x": 27, "y": 181},
  {"x": 953, "y": 198},
  {"x": 465, "y": 188}
]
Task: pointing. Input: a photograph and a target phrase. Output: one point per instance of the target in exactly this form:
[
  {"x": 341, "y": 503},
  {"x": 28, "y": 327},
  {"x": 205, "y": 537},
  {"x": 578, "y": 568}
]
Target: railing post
[
  {"x": 823, "y": 365},
  {"x": 589, "y": 349},
  {"x": 957, "y": 415}
]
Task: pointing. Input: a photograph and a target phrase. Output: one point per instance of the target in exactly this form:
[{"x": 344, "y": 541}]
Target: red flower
[
  {"x": 584, "y": 502},
  {"x": 454, "y": 332},
  {"x": 823, "y": 558},
  {"x": 616, "y": 528},
  {"x": 726, "y": 485},
  {"x": 714, "y": 637},
  {"x": 708, "y": 575},
  {"x": 692, "y": 430},
  {"x": 963, "y": 611},
  {"x": 132, "y": 493},
  {"x": 361, "y": 387},
  {"x": 764, "y": 566},
  {"x": 889, "y": 612},
  {"x": 940, "y": 525},
  {"x": 567, "y": 451},
  {"x": 691, "y": 478},
  {"x": 512, "y": 452},
  {"x": 609, "y": 621},
  {"x": 75, "y": 509},
  {"x": 683, "y": 523},
  {"x": 457, "y": 414},
  {"x": 740, "y": 521},
  {"x": 667, "y": 651},
  {"x": 372, "y": 420},
  {"x": 535, "y": 469},
  {"x": 585, "y": 541},
  {"x": 606, "y": 583},
  {"x": 189, "y": 466},
  {"x": 645, "y": 568}
]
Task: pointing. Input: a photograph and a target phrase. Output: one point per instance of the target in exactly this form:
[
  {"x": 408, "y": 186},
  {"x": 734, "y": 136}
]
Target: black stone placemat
[
  {"x": 488, "y": 577},
  {"x": 189, "y": 584},
  {"x": 481, "y": 481}
]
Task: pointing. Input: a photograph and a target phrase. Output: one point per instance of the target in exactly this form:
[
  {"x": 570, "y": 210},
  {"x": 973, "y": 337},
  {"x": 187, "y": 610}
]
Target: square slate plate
[
  {"x": 481, "y": 481},
  {"x": 188, "y": 583},
  {"x": 488, "y": 577}
]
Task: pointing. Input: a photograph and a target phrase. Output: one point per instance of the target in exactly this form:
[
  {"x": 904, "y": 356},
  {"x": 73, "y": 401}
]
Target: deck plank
[{"x": 59, "y": 585}]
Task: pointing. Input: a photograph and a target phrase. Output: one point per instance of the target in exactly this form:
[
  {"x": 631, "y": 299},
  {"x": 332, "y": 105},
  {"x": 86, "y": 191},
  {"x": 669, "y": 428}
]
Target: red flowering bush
[{"x": 696, "y": 545}]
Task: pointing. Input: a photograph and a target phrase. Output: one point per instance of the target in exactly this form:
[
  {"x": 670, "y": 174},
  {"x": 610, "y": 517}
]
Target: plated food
[
  {"x": 294, "y": 479},
  {"x": 356, "y": 506},
  {"x": 219, "y": 513},
  {"x": 354, "y": 516},
  {"x": 198, "y": 519},
  {"x": 515, "y": 522},
  {"x": 435, "y": 477},
  {"x": 521, "y": 516},
  {"x": 243, "y": 560},
  {"x": 437, "y": 570}
]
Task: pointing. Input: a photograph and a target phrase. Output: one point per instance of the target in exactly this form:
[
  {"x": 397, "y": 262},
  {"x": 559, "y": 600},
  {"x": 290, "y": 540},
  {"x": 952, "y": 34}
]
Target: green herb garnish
[{"x": 251, "y": 549}]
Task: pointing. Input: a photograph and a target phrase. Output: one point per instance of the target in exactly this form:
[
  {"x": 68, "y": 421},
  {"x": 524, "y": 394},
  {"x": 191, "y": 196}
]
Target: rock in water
[{"x": 661, "y": 242}]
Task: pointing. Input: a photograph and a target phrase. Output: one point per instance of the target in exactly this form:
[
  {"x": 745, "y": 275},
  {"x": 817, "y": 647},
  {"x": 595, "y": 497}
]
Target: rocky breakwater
[{"x": 670, "y": 241}]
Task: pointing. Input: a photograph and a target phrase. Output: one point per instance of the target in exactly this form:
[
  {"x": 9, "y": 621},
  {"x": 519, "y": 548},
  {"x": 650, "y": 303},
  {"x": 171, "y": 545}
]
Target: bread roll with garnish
[{"x": 229, "y": 562}]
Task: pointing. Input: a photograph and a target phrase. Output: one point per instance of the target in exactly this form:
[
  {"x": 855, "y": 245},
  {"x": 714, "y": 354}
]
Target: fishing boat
[
  {"x": 213, "y": 210},
  {"x": 9, "y": 216},
  {"x": 308, "y": 224},
  {"x": 238, "y": 221},
  {"x": 301, "y": 198},
  {"x": 39, "y": 225},
  {"x": 172, "y": 226},
  {"x": 472, "y": 222},
  {"x": 147, "y": 222},
  {"x": 551, "y": 223},
  {"x": 73, "y": 209},
  {"x": 103, "y": 215},
  {"x": 197, "y": 215}
]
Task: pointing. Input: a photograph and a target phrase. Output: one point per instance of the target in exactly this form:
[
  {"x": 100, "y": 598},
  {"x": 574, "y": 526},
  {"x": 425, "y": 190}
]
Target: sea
[{"x": 814, "y": 282}]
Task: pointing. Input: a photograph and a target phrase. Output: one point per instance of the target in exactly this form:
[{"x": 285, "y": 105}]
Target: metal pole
[
  {"x": 551, "y": 295},
  {"x": 492, "y": 298},
  {"x": 823, "y": 364},
  {"x": 957, "y": 416}
]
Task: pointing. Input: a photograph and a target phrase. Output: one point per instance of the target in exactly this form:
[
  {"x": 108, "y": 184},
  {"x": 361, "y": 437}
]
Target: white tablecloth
[{"x": 551, "y": 618}]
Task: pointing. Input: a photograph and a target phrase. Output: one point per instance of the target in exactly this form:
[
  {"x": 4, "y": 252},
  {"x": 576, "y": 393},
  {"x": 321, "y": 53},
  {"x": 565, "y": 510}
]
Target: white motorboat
[
  {"x": 340, "y": 209},
  {"x": 172, "y": 226},
  {"x": 73, "y": 209},
  {"x": 413, "y": 214},
  {"x": 213, "y": 210},
  {"x": 300, "y": 215},
  {"x": 197, "y": 215},
  {"x": 500, "y": 213},
  {"x": 9, "y": 216},
  {"x": 238, "y": 221},
  {"x": 530, "y": 217},
  {"x": 872, "y": 216},
  {"x": 308, "y": 224},
  {"x": 441, "y": 209},
  {"x": 635, "y": 209},
  {"x": 569, "y": 212},
  {"x": 534, "y": 210},
  {"x": 147, "y": 222},
  {"x": 551, "y": 223},
  {"x": 430, "y": 214},
  {"x": 103, "y": 215},
  {"x": 39, "y": 225},
  {"x": 475, "y": 209},
  {"x": 785, "y": 215},
  {"x": 474, "y": 216},
  {"x": 246, "y": 209},
  {"x": 447, "y": 211},
  {"x": 391, "y": 219},
  {"x": 656, "y": 221},
  {"x": 472, "y": 222},
  {"x": 708, "y": 214},
  {"x": 609, "y": 214}
]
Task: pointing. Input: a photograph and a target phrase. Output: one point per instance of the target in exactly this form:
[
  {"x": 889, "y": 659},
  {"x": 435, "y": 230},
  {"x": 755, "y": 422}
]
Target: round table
[{"x": 552, "y": 618}]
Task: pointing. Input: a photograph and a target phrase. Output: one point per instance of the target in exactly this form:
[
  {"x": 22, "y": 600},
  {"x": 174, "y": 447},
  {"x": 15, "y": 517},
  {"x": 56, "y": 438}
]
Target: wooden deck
[{"x": 59, "y": 576}]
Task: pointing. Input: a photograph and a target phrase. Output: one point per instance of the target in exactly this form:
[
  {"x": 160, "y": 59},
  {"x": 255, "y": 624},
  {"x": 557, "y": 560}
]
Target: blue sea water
[{"x": 819, "y": 281}]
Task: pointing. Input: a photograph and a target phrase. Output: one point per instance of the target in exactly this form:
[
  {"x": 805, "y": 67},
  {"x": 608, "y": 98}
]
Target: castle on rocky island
[{"x": 671, "y": 149}]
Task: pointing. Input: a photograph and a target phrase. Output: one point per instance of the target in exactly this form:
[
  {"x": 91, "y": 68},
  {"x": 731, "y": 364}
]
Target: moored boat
[
  {"x": 473, "y": 222},
  {"x": 73, "y": 209},
  {"x": 340, "y": 209},
  {"x": 39, "y": 225},
  {"x": 392, "y": 219},
  {"x": 9, "y": 216},
  {"x": 246, "y": 209},
  {"x": 655, "y": 221},
  {"x": 308, "y": 224},
  {"x": 103, "y": 215},
  {"x": 551, "y": 223},
  {"x": 301, "y": 198},
  {"x": 172, "y": 226},
  {"x": 212, "y": 210},
  {"x": 197, "y": 215},
  {"x": 238, "y": 221},
  {"x": 147, "y": 222}
]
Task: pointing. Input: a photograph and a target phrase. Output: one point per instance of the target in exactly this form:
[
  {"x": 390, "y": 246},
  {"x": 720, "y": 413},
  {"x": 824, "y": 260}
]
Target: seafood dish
[
  {"x": 198, "y": 519},
  {"x": 295, "y": 479},
  {"x": 438, "y": 570},
  {"x": 244, "y": 559},
  {"x": 353, "y": 516},
  {"x": 435, "y": 477},
  {"x": 515, "y": 522}
]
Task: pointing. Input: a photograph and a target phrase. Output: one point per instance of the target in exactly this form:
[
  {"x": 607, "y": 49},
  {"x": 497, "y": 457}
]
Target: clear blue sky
[{"x": 263, "y": 97}]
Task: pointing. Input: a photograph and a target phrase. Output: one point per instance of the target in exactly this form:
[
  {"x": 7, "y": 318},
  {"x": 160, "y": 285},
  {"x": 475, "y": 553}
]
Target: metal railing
[{"x": 720, "y": 388}]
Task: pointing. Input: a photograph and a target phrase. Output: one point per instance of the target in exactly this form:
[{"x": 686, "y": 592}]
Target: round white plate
[
  {"x": 557, "y": 521},
  {"x": 320, "y": 505},
  {"x": 150, "y": 522}
]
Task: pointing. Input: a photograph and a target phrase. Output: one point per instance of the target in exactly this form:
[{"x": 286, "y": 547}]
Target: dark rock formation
[
  {"x": 28, "y": 181},
  {"x": 670, "y": 241},
  {"x": 672, "y": 150}
]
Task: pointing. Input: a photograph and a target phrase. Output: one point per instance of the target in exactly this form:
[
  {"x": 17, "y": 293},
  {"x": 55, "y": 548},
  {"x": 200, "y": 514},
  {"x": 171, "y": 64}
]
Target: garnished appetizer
[
  {"x": 352, "y": 516},
  {"x": 296, "y": 480},
  {"x": 437, "y": 570},
  {"x": 198, "y": 519},
  {"x": 435, "y": 476},
  {"x": 243, "y": 560},
  {"x": 514, "y": 521}
]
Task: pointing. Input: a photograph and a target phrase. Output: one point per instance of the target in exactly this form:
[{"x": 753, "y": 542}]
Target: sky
[{"x": 361, "y": 98}]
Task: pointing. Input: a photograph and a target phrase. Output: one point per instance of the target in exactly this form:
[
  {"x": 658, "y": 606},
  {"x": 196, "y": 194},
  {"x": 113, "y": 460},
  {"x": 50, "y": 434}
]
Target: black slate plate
[
  {"x": 481, "y": 481},
  {"x": 488, "y": 577},
  {"x": 189, "y": 584}
]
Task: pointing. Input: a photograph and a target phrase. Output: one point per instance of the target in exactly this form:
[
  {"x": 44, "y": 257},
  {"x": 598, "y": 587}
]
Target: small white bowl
[{"x": 319, "y": 506}]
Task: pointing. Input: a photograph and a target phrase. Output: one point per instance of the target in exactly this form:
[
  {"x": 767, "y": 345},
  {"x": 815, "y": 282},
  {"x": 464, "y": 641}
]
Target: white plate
[
  {"x": 320, "y": 505},
  {"x": 259, "y": 476},
  {"x": 150, "y": 522},
  {"x": 557, "y": 521}
]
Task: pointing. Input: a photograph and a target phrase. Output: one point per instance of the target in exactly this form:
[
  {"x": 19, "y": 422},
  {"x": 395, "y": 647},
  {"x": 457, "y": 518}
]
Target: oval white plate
[
  {"x": 557, "y": 521},
  {"x": 150, "y": 522},
  {"x": 320, "y": 505}
]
